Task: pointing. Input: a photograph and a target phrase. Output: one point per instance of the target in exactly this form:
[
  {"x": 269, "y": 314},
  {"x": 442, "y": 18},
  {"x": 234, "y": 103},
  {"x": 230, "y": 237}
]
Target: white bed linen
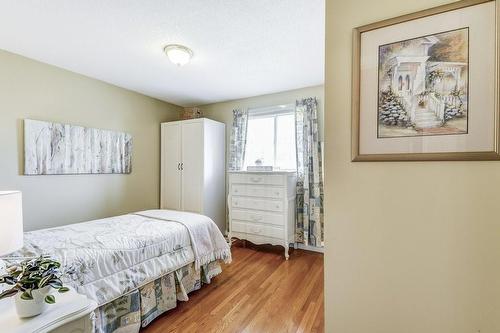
[
  {"x": 207, "y": 241},
  {"x": 106, "y": 258}
]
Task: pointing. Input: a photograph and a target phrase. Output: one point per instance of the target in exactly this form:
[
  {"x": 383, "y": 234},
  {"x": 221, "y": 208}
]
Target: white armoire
[{"x": 193, "y": 168}]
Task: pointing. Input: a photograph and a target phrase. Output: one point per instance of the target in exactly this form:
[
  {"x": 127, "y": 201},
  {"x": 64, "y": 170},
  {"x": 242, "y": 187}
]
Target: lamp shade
[{"x": 11, "y": 221}]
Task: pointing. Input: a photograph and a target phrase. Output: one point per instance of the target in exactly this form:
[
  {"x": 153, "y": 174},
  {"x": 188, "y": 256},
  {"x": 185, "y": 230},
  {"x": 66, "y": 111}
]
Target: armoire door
[
  {"x": 192, "y": 167},
  {"x": 171, "y": 186}
]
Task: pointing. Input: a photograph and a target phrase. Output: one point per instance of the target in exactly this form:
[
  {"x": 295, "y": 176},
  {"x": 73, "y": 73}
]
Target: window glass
[
  {"x": 271, "y": 139},
  {"x": 285, "y": 142},
  {"x": 260, "y": 135}
]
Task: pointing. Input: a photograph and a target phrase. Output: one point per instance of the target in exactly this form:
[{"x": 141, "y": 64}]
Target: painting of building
[{"x": 423, "y": 85}]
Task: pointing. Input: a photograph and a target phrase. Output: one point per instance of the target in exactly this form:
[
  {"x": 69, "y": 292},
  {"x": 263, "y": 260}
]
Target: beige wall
[
  {"x": 30, "y": 89},
  {"x": 411, "y": 247}
]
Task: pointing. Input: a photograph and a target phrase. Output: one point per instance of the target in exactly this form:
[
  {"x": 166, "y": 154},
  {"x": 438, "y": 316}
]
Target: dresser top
[{"x": 281, "y": 172}]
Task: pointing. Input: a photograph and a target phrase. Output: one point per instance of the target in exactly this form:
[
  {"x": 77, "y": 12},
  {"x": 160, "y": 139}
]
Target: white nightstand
[{"x": 72, "y": 313}]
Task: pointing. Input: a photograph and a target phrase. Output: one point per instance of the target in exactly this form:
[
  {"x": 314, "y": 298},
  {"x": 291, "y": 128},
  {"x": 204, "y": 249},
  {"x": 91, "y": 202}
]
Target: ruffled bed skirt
[{"x": 137, "y": 309}]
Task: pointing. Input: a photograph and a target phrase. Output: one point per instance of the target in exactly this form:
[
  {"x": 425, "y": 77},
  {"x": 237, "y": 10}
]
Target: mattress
[{"x": 104, "y": 259}]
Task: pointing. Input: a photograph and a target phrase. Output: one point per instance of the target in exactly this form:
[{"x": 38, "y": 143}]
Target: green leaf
[
  {"x": 26, "y": 296},
  {"x": 32, "y": 273},
  {"x": 50, "y": 299},
  {"x": 8, "y": 293},
  {"x": 63, "y": 289},
  {"x": 28, "y": 281},
  {"x": 44, "y": 281},
  {"x": 55, "y": 283},
  {"x": 9, "y": 280},
  {"x": 11, "y": 269}
]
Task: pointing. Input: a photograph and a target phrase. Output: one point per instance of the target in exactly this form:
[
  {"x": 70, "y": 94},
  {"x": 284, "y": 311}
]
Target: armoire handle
[
  {"x": 182, "y": 166},
  {"x": 179, "y": 166}
]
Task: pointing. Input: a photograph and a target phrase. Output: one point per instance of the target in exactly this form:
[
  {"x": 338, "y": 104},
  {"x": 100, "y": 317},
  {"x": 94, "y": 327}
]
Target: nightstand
[{"x": 72, "y": 313}]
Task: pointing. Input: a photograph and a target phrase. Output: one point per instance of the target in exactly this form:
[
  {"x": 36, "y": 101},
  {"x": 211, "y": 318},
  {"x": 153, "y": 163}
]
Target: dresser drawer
[
  {"x": 258, "y": 204},
  {"x": 260, "y": 217},
  {"x": 258, "y": 229},
  {"x": 258, "y": 191},
  {"x": 256, "y": 179}
]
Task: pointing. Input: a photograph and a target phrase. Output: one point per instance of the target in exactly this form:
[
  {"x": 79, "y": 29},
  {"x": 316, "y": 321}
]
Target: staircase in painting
[{"x": 424, "y": 118}]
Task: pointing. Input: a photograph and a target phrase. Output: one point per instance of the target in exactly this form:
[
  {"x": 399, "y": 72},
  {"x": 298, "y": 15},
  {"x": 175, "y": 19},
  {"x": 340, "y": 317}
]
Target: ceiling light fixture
[{"x": 178, "y": 54}]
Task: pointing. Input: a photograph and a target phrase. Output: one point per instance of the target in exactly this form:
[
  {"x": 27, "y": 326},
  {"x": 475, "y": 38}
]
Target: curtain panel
[
  {"x": 238, "y": 140},
  {"x": 309, "y": 200}
]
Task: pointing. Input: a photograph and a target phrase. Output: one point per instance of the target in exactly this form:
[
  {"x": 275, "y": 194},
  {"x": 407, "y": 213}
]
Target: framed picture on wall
[{"x": 425, "y": 85}]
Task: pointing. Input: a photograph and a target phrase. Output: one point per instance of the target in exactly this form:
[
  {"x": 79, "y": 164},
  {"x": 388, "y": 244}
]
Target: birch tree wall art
[{"x": 58, "y": 149}]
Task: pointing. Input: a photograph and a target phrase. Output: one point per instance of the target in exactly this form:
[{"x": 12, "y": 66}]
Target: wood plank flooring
[{"x": 258, "y": 292}]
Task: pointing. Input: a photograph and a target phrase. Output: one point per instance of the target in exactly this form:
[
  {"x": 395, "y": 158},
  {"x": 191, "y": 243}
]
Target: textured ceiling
[{"x": 241, "y": 48}]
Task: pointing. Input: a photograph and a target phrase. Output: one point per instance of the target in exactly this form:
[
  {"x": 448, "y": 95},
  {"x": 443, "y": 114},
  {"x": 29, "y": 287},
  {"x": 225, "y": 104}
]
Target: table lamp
[{"x": 11, "y": 222}]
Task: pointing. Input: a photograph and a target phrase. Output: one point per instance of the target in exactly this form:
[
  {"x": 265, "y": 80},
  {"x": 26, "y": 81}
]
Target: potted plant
[{"x": 30, "y": 282}]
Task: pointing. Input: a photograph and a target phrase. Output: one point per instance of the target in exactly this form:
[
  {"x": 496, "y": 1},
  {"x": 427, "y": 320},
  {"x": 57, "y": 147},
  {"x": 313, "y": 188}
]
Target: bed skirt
[{"x": 128, "y": 313}]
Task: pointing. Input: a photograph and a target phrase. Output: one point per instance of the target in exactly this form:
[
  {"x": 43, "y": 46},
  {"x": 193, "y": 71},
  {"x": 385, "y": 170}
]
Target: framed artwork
[
  {"x": 425, "y": 85},
  {"x": 62, "y": 149}
]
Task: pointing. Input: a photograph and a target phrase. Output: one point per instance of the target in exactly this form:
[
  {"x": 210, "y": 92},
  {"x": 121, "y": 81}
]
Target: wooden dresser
[{"x": 262, "y": 207}]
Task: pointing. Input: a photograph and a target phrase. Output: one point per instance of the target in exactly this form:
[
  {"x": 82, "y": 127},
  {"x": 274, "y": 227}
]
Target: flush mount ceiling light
[{"x": 178, "y": 54}]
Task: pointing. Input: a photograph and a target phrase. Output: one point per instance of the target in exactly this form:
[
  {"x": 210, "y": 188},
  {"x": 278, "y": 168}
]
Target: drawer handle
[
  {"x": 256, "y": 180},
  {"x": 235, "y": 190},
  {"x": 236, "y": 203},
  {"x": 277, "y": 206},
  {"x": 277, "y": 193},
  {"x": 255, "y": 230},
  {"x": 256, "y": 218}
]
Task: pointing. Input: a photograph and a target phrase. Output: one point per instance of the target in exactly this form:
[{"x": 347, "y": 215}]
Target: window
[{"x": 271, "y": 137}]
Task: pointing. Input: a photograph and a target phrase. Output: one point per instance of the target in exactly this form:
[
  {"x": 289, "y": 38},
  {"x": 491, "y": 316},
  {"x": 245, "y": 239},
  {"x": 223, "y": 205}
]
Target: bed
[{"x": 135, "y": 266}]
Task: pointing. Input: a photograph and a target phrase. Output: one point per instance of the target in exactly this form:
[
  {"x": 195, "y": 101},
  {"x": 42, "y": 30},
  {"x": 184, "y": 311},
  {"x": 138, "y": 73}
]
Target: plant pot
[{"x": 32, "y": 307}]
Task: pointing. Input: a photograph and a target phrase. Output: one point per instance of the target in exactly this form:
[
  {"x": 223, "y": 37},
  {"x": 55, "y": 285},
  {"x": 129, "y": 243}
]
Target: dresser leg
[{"x": 286, "y": 252}]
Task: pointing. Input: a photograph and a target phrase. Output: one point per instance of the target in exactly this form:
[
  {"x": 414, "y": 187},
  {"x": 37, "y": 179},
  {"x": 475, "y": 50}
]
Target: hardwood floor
[{"x": 259, "y": 292}]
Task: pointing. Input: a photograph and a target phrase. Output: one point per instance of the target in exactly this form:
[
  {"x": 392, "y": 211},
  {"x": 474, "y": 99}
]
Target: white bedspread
[
  {"x": 106, "y": 258},
  {"x": 207, "y": 241}
]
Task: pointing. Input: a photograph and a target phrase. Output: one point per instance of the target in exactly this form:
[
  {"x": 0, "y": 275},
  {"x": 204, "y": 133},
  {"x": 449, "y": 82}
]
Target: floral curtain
[
  {"x": 238, "y": 140},
  {"x": 309, "y": 200}
]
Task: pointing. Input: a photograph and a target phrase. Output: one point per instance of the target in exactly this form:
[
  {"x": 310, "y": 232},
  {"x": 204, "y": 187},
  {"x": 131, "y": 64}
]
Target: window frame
[{"x": 274, "y": 112}]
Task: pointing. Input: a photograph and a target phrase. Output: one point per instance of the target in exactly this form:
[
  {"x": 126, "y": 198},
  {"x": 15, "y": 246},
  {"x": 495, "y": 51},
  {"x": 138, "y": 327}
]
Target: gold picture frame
[{"x": 493, "y": 154}]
